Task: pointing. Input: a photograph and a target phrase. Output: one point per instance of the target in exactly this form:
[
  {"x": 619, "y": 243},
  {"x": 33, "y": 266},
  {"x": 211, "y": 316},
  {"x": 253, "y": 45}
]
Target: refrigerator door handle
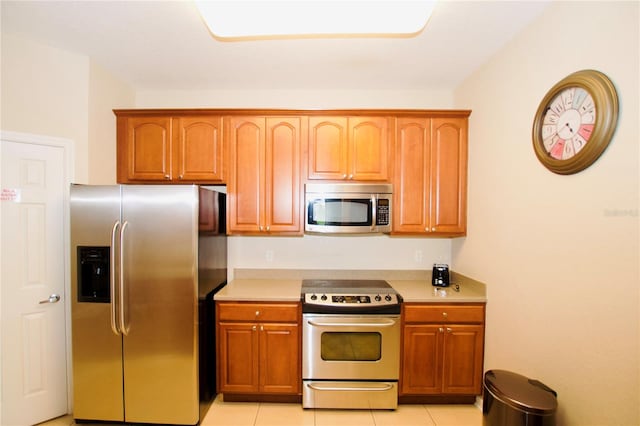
[
  {"x": 112, "y": 274},
  {"x": 123, "y": 326}
]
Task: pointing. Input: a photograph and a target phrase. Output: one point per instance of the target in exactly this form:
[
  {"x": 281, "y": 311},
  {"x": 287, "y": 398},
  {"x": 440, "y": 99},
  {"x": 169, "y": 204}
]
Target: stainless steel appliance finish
[
  {"x": 348, "y": 208},
  {"x": 350, "y": 344},
  {"x": 135, "y": 316},
  {"x": 349, "y": 296}
]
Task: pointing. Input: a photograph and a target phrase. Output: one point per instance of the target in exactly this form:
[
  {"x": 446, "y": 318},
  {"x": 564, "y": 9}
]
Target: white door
[{"x": 34, "y": 364}]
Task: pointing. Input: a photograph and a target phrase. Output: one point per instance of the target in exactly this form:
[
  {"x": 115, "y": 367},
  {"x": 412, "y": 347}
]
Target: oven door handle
[
  {"x": 381, "y": 387},
  {"x": 385, "y": 323}
]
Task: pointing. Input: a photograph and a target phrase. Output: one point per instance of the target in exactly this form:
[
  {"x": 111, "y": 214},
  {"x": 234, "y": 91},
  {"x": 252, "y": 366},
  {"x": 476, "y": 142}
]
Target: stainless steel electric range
[{"x": 350, "y": 344}]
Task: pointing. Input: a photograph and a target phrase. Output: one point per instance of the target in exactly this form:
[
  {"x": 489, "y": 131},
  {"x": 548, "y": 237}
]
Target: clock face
[{"x": 568, "y": 122}]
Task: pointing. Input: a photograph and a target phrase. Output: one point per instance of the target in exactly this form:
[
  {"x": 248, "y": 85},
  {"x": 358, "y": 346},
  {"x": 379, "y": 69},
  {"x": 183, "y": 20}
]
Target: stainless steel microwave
[{"x": 348, "y": 208}]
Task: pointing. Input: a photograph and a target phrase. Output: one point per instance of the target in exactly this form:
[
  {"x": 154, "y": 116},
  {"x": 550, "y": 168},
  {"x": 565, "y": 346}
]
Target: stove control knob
[
  {"x": 378, "y": 298},
  {"x": 323, "y": 297},
  {"x": 313, "y": 297},
  {"x": 387, "y": 298}
]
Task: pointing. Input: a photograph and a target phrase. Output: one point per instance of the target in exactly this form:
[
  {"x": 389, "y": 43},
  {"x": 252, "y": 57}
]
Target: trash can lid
[{"x": 521, "y": 392}]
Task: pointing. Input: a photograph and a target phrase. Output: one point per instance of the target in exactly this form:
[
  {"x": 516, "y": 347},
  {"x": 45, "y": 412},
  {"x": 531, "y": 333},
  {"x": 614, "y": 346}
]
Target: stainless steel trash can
[{"x": 514, "y": 400}]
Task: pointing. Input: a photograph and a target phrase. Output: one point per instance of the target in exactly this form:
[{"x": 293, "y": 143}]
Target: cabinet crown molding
[{"x": 305, "y": 112}]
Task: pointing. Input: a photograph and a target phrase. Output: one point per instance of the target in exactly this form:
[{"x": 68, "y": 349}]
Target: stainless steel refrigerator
[{"x": 139, "y": 296}]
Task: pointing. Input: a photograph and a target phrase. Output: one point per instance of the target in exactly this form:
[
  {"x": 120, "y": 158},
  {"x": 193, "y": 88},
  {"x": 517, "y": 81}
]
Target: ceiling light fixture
[{"x": 238, "y": 19}]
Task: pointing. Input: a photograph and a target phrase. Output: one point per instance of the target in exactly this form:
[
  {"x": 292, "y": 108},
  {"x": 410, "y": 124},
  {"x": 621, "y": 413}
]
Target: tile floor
[{"x": 263, "y": 414}]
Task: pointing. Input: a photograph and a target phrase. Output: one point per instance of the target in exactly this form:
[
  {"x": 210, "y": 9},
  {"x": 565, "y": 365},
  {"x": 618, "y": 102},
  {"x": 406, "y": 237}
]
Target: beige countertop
[
  {"x": 287, "y": 289},
  {"x": 256, "y": 290}
]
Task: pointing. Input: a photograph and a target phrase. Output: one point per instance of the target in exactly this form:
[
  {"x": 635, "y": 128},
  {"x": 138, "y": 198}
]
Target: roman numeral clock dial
[{"x": 575, "y": 122}]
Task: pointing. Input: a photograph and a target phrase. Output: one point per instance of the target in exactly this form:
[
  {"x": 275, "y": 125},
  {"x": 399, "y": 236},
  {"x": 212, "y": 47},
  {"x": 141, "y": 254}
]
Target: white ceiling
[{"x": 164, "y": 45}]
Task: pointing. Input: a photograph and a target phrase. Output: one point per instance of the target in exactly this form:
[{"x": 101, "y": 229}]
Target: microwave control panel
[{"x": 382, "y": 213}]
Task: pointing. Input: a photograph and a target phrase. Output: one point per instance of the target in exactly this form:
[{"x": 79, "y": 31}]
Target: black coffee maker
[{"x": 440, "y": 275}]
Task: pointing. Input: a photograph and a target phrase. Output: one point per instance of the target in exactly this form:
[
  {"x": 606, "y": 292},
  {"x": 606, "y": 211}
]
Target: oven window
[{"x": 351, "y": 346}]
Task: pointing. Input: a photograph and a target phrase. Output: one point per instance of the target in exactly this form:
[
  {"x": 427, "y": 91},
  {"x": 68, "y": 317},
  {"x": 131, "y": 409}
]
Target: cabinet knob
[
  {"x": 167, "y": 177},
  {"x": 449, "y": 330},
  {"x": 257, "y": 313},
  {"x": 268, "y": 227},
  {"x": 262, "y": 328},
  {"x": 444, "y": 314},
  {"x": 181, "y": 177},
  {"x": 344, "y": 176},
  {"x": 261, "y": 229},
  {"x": 433, "y": 229},
  {"x": 351, "y": 177},
  {"x": 441, "y": 330}
]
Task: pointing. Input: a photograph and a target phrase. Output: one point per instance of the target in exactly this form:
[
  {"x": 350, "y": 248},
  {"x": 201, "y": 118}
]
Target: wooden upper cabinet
[
  {"x": 411, "y": 187},
  {"x": 144, "y": 149},
  {"x": 264, "y": 179},
  {"x": 430, "y": 179},
  {"x": 449, "y": 175},
  {"x": 349, "y": 148},
  {"x": 163, "y": 148},
  {"x": 199, "y": 153}
]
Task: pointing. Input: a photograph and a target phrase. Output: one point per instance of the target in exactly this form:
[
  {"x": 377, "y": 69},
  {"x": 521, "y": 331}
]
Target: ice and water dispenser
[{"x": 93, "y": 274}]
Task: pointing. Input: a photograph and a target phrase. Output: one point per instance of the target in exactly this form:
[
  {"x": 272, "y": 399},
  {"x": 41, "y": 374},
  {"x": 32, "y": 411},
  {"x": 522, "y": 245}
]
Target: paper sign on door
[{"x": 12, "y": 195}]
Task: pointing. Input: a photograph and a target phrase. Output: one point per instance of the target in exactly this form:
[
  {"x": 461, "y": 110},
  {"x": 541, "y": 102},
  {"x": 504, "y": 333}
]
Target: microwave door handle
[{"x": 374, "y": 208}]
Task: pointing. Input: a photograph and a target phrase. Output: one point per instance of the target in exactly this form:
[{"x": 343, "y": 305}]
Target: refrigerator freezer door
[
  {"x": 97, "y": 350},
  {"x": 160, "y": 252}
]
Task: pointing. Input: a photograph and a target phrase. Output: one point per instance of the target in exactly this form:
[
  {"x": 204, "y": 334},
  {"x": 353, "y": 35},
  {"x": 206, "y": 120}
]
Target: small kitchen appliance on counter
[{"x": 440, "y": 275}]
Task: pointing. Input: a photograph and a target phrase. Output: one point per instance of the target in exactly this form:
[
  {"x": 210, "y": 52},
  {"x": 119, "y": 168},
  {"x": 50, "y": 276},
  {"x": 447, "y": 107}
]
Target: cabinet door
[
  {"x": 245, "y": 192},
  {"x": 238, "y": 368},
  {"x": 328, "y": 148},
  {"x": 282, "y": 169},
  {"x": 422, "y": 360},
  {"x": 449, "y": 175},
  {"x": 463, "y": 357},
  {"x": 144, "y": 149},
  {"x": 199, "y": 149},
  {"x": 369, "y": 149},
  {"x": 280, "y": 370},
  {"x": 412, "y": 174}
]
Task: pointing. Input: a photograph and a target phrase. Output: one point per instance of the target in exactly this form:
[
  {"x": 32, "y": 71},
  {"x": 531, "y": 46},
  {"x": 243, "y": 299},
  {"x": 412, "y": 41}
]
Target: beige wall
[
  {"x": 559, "y": 254},
  {"x": 302, "y": 99},
  {"x": 106, "y": 93},
  {"x": 53, "y": 92},
  {"x": 45, "y": 91}
]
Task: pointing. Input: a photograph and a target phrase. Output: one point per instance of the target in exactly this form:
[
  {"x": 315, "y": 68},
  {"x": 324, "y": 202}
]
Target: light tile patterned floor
[{"x": 263, "y": 414}]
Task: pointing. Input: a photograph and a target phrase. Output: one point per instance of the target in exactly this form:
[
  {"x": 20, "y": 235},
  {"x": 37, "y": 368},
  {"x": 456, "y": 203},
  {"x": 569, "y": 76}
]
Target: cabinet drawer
[
  {"x": 457, "y": 313},
  {"x": 276, "y": 312}
]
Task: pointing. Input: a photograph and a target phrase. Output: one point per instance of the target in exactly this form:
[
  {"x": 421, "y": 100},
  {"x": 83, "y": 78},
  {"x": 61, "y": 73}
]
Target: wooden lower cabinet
[
  {"x": 258, "y": 349},
  {"x": 442, "y": 350}
]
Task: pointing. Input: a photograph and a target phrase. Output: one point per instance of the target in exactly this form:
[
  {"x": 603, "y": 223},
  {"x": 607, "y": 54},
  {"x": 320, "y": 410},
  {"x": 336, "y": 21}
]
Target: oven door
[{"x": 351, "y": 347}]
